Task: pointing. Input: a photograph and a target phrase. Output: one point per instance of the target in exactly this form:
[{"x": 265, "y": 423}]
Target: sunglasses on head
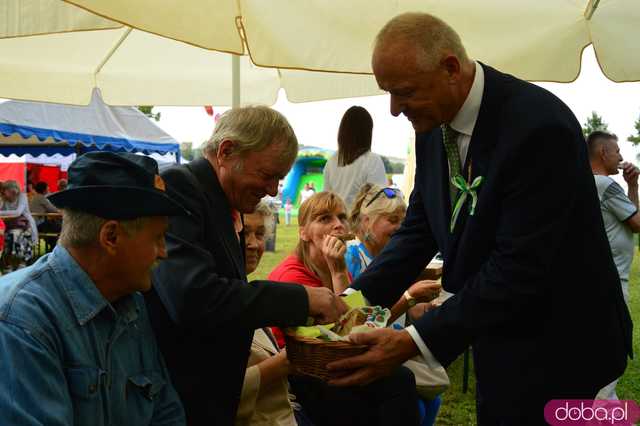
[{"x": 388, "y": 192}]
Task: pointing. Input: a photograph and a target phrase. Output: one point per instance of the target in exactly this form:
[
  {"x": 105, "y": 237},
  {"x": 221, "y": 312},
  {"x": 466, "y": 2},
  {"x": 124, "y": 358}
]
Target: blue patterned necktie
[{"x": 450, "y": 141}]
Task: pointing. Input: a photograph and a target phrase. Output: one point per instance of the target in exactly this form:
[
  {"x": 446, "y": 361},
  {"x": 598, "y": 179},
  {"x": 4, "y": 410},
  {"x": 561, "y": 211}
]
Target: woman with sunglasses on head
[
  {"x": 375, "y": 215},
  {"x": 354, "y": 164}
]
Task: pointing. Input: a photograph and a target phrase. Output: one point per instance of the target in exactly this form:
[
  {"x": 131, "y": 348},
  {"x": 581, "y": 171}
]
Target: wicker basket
[{"x": 310, "y": 356}]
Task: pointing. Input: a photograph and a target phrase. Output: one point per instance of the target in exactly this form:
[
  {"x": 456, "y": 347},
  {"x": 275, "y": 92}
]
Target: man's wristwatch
[{"x": 411, "y": 301}]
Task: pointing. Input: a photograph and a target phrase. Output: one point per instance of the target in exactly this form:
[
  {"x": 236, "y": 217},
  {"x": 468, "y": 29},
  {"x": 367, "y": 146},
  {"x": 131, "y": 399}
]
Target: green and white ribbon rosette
[{"x": 464, "y": 190}]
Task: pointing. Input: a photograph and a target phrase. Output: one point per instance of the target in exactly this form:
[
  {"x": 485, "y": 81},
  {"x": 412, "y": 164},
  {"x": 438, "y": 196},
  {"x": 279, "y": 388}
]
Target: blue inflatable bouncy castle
[{"x": 307, "y": 168}]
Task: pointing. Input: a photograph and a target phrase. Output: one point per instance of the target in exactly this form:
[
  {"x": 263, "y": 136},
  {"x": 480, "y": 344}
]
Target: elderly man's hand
[
  {"x": 387, "y": 350},
  {"x": 324, "y": 305}
]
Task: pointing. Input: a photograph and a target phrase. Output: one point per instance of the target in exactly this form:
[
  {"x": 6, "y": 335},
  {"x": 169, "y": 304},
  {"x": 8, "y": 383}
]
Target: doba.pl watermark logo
[{"x": 589, "y": 412}]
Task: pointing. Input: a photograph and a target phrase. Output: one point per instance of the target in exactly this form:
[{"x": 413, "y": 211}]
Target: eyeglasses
[{"x": 388, "y": 192}]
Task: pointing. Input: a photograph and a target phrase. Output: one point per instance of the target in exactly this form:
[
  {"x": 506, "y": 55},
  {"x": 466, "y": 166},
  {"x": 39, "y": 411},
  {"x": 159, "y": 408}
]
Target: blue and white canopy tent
[{"x": 46, "y": 128}]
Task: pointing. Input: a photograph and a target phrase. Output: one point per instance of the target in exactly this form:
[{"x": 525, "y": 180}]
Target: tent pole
[
  {"x": 235, "y": 81},
  {"x": 591, "y": 9}
]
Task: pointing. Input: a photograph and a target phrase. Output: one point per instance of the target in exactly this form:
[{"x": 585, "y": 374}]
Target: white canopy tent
[
  {"x": 539, "y": 40},
  {"x": 126, "y": 57},
  {"x": 132, "y": 67}
]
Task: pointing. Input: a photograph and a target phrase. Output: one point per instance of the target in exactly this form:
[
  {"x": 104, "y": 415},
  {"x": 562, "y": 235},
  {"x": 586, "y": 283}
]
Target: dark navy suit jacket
[
  {"x": 201, "y": 307},
  {"x": 537, "y": 294}
]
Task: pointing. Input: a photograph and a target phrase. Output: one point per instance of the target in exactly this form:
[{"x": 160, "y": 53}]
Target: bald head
[
  {"x": 432, "y": 38},
  {"x": 420, "y": 61}
]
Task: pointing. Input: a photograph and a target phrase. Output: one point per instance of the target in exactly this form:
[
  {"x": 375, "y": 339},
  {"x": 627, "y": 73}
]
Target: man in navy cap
[{"x": 77, "y": 346}]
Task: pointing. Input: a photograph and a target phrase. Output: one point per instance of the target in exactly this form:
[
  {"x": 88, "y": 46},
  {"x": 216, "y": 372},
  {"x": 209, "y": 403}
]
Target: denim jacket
[{"x": 69, "y": 357}]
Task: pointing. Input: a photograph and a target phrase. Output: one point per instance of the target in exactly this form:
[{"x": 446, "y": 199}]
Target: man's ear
[
  {"x": 109, "y": 236},
  {"x": 225, "y": 150},
  {"x": 602, "y": 149},
  {"x": 451, "y": 65}
]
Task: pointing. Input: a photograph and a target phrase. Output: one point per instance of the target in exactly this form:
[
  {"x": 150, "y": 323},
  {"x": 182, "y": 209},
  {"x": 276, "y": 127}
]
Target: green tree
[
  {"x": 392, "y": 167},
  {"x": 148, "y": 111},
  {"x": 397, "y": 168},
  {"x": 197, "y": 152},
  {"x": 635, "y": 139},
  {"x": 186, "y": 150},
  {"x": 593, "y": 123},
  {"x": 388, "y": 168}
]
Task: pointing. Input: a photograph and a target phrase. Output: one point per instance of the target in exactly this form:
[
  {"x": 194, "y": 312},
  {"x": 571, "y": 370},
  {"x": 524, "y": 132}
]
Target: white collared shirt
[{"x": 465, "y": 120}]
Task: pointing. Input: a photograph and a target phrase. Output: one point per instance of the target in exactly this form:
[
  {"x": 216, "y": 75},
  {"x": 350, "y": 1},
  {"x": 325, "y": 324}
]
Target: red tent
[{"x": 39, "y": 169}]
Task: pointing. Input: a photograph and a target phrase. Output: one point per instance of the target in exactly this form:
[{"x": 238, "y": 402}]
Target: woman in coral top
[{"x": 318, "y": 259}]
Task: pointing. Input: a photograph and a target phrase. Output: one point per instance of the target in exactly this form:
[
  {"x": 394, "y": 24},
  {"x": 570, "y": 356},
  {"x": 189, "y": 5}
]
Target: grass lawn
[{"x": 459, "y": 408}]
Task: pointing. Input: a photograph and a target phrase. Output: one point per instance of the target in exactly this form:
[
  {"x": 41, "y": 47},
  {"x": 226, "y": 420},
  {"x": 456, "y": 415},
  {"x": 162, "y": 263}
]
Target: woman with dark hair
[
  {"x": 354, "y": 164},
  {"x": 375, "y": 215}
]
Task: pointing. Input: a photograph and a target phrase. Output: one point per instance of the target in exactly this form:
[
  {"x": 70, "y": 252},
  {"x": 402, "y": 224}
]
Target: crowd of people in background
[{"x": 23, "y": 218}]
